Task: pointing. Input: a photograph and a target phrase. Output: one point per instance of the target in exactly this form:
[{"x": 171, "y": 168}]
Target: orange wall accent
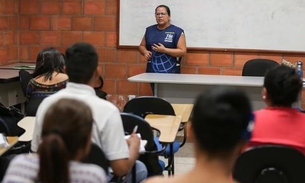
[{"x": 27, "y": 26}]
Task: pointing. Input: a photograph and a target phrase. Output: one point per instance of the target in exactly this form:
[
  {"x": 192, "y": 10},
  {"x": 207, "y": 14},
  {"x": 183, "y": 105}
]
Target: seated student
[
  {"x": 66, "y": 140},
  {"x": 219, "y": 129},
  {"x": 279, "y": 122},
  {"x": 48, "y": 76},
  {"x": 108, "y": 133}
]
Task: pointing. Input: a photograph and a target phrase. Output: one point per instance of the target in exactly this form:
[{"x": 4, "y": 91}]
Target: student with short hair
[
  {"x": 66, "y": 140},
  {"x": 107, "y": 133},
  {"x": 279, "y": 122},
  {"x": 220, "y": 126}
]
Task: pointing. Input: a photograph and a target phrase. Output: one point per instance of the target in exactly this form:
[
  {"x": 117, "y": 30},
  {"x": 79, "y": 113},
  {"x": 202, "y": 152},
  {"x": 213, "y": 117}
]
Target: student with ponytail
[{"x": 66, "y": 140}]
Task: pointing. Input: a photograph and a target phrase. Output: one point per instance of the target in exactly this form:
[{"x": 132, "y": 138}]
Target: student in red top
[{"x": 279, "y": 122}]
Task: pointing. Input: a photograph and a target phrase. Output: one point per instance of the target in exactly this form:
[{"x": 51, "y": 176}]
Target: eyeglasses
[{"x": 160, "y": 14}]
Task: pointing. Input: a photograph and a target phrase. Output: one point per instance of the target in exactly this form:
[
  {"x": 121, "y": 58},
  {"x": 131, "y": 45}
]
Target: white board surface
[{"x": 225, "y": 24}]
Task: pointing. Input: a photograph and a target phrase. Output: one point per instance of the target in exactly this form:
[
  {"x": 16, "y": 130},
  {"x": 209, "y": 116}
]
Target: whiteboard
[{"x": 277, "y": 25}]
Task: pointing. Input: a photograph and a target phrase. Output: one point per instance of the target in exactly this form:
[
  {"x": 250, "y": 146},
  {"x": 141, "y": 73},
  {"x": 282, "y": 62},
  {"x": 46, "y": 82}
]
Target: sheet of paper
[
  {"x": 3, "y": 141},
  {"x": 142, "y": 143}
]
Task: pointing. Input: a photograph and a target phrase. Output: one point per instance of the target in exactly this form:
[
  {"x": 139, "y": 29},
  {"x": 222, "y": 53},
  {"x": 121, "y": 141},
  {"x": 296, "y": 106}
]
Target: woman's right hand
[{"x": 148, "y": 55}]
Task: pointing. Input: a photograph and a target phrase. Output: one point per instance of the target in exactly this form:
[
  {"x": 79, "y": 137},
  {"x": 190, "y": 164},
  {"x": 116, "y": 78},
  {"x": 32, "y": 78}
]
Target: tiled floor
[{"x": 184, "y": 158}]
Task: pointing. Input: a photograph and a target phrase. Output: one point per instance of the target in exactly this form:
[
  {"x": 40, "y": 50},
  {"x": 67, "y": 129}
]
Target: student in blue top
[{"x": 163, "y": 44}]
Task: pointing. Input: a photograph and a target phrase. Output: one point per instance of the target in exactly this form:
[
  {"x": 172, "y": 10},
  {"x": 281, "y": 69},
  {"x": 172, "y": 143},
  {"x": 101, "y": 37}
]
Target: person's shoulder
[
  {"x": 22, "y": 159},
  {"x": 177, "y": 28},
  {"x": 92, "y": 170},
  {"x": 152, "y": 27},
  {"x": 161, "y": 179},
  {"x": 157, "y": 179},
  {"x": 60, "y": 77}
]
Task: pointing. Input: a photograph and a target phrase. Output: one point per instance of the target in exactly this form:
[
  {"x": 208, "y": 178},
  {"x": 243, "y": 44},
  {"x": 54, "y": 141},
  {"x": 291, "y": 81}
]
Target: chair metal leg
[
  {"x": 134, "y": 175},
  {"x": 170, "y": 165},
  {"x": 184, "y": 138}
]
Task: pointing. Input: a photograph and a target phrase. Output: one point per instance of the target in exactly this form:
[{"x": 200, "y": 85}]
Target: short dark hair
[
  {"x": 220, "y": 117},
  {"x": 164, "y": 6},
  {"x": 283, "y": 85},
  {"x": 81, "y": 62},
  {"x": 49, "y": 60}
]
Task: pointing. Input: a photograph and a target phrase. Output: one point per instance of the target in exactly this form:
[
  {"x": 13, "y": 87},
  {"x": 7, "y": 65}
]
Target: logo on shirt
[{"x": 169, "y": 37}]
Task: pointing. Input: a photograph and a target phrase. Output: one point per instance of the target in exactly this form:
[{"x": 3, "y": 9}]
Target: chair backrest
[
  {"x": 270, "y": 163},
  {"x": 4, "y": 127},
  {"x": 258, "y": 67},
  {"x": 24, "y": 77},
  {"x": 32, "y": 105},
  {"x": 150, "y": 160},
  {"x": 144, "y": 105},
  {"x": 97, "y": 156}
]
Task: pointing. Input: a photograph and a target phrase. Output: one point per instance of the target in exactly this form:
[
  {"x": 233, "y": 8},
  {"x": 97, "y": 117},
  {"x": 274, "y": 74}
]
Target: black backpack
[{"x": 9, "y": 117}]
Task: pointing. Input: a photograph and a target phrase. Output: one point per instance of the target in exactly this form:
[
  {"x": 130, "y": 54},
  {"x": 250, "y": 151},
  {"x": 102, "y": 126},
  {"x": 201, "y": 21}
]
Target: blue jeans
[{"x": 141, "y": 173}]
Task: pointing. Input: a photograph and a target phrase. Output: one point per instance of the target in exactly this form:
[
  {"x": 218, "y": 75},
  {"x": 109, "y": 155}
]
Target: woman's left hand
[{"x": 158, "y": 47}]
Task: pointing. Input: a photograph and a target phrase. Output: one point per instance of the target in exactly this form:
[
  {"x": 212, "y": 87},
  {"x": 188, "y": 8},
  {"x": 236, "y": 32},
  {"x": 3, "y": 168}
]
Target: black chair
[
  {"x": 258, "y": 67},
  {"x": 24, "y": 77},
  {"x": 150, "y": 157},
  {"x": 97, "y": 156},
  {"x": 4, "y": 128},
  {"x": 144, "y": 105},
  {"x": 270, "y": 164},
  {"x": 32, "y": 105},
  {"x": 98, "y": 90}
]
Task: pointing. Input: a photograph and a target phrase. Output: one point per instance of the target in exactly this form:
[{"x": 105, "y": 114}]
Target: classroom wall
[
  {"x": 8, "y": 31},
  {"x": 27, "y": 26}
]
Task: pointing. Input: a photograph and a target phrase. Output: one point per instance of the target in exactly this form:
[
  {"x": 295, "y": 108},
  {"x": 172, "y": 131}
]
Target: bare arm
[
  {"x": 123, "y": 166},
  {"x": 180, "y": 51},
  {"x": 142, "y": 48}
]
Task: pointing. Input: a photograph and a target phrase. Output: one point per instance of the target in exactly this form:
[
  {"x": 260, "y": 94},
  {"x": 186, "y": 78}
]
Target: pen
[{"x": 135, "y": 129}]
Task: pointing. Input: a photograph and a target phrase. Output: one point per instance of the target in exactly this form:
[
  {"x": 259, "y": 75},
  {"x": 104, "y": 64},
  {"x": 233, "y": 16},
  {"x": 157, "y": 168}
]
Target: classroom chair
[
  {"x": 257, "y": 67},
  {"x": 24, "y": 77},
  {"x": 144, "y": 105},
  {"x": 152, "y": 148},
  {"x": 97, "y": 156},
  {"x": 270, "y": 163}
]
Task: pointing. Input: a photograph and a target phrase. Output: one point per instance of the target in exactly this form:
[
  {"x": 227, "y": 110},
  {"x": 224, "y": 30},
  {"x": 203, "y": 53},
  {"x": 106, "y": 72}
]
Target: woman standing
[{"x": 163, "y": 44}]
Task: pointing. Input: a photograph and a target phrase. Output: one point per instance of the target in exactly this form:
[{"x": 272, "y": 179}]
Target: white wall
[{"x": 235, "y": 24}]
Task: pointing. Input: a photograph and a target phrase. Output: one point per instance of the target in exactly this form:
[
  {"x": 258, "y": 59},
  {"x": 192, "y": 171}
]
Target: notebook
[{"x": 142, "y": 143}]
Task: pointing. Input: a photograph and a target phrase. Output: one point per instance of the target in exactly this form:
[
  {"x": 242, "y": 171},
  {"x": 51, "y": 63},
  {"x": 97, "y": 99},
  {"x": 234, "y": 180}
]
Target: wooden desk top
[
  {"x": 184, "y": 111},
  {"x": 11, "y": 141},
  {"x": 18, "y": 66},
  {"x": 28, "y": 124},
  {"x": 9, "y": 75},
  {"x": 166, "y": 124}
]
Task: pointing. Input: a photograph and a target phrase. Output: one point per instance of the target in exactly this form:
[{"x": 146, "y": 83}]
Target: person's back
[
  {"x": 220, "y": 126},
  {"x": 66, "y": 140},
  {"x": 279, "y": 122},
  {"x": 48, "y": 76},
  {"x": 107, "y": 132}
]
